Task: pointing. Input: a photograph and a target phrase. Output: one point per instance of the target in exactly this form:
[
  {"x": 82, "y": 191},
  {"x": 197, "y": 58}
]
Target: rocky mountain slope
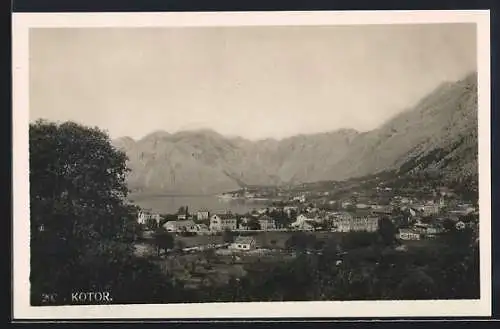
[
  {"x": 446, "y": 120},
  {"x": 439, "y": 133}
]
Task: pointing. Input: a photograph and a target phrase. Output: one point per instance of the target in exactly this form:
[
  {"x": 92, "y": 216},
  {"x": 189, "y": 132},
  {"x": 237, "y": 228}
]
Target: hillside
[{"x": 439, "y": 133}]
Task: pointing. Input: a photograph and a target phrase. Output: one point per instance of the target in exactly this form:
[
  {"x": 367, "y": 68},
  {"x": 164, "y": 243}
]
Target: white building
[
  {"x": 262, "y": 211},
  {"x": 362, "y": 206},
  {"x": 303, "y": 223},
  {"x": 243, "y": 243},
  {"x": 144, "y": 216},
  {"x": 221, "y": 222},
  {"x": 345, "y": 204},
  {"x": 203, "y": 215},
  {"x": 460, "y": 225},
  {"x": 408, "y": 234},
  {"x": 289, "y": 209},
  {"x": 180, "y": 226},
  {"x": 267, "y": 223},
  {"x": 300, "y": 198},
  {"x": 431, "y": 209},
  {"x": 302, "y": 218},
  {"x": 357, "y": 224},
  {"x": 428, "y": 209},
  {"x": 463, "y": 210}
]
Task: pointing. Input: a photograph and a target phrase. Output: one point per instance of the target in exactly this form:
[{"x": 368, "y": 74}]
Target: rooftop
[
  {"x": 226, "y": 216},
  {"x": 186, "y": 222},
  {"x": 244, "y": 239}
]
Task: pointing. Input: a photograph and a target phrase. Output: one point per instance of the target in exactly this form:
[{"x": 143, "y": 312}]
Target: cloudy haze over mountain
[
  {"x": 253, "y": 82},
  {"x": 439, "y": 133}
]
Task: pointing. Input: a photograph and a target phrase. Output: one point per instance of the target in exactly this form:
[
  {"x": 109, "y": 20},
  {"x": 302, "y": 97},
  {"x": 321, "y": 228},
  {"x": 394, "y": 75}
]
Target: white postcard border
[{"x": 22, "y": 22}]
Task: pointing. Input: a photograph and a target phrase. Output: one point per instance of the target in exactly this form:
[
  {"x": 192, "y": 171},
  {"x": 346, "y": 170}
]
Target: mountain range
[{"x": 438, "y": 134}]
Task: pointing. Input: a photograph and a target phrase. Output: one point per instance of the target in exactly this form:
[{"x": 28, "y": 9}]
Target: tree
[
  {"x": 163, "y": 240},
  {"x": 459, "y": 240},
  {"x": 181, "y": 210},
  {"x": 167, "y": 218},
  {"x": 417, "y": 285},
  {"x": 387, "y": 230},
  {"x": 331, "y": 247},
  {"x": 449, "y": 225},
  {"x": 280, "y": 217},
  {"x": 300, "y": 241},
  {"x": 151, "y": 224},
  {"x": 82, "y": 227},
  {"x": 253, "y": 224},
  {"x": 227, "y": 236},
  {"x": 426, "y": 219},
  {"x": 355, "y": 240}
]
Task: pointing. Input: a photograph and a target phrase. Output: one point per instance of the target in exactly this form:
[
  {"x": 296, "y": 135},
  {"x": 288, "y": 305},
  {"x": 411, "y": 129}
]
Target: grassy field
[
  {"x": 199, "y": 240},
  {"x": 270, "y": 239},
  {"x": 264, "y": 239},
  {"x": 201, "y": 269},
  {"x": 423, "y": 243},
  {"x": 195, "y": 270}
]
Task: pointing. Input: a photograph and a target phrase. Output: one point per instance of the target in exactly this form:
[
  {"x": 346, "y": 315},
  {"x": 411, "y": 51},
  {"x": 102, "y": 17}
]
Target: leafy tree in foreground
[
  {"x": 81, "y": 227},
  {"x": 387, "y": 231},
  {"x": 253, "y": 224},
  {"x": 151, "y": 224},
  {"x": 163, "y": 240}
]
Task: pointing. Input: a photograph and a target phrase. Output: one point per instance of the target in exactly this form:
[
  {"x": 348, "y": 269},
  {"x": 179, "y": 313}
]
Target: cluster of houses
[
  {"x": 216, "y": 222},
  {"x": 419, "y": 230},
  {"x": 435, "y": 211},
  {"x": 311, "y": 220},
  {"x": 359, "y": 217}
]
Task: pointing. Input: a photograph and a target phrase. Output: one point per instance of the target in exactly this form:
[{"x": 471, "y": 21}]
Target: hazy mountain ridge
[
  {"x": 440, "y": 132},
  {"x": 436, "y": 122}
]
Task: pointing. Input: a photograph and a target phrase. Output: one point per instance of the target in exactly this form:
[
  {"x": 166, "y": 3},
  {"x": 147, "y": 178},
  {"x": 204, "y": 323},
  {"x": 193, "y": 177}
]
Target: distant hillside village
[{"x": 414, "y": 215}]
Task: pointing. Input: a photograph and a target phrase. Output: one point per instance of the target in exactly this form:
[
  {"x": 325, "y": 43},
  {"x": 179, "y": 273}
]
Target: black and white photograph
[{"x": 264, "y": 167}]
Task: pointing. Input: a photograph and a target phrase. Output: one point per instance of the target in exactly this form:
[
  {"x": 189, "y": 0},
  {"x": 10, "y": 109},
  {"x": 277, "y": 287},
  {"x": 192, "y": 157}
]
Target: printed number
[{"x": 49, "y": 298}]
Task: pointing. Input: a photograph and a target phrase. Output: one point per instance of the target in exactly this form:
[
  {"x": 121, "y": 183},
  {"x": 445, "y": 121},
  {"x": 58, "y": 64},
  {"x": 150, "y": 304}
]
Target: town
[
  {"x": 415, "y": 214},
  {"x": 210, "y": 249}
]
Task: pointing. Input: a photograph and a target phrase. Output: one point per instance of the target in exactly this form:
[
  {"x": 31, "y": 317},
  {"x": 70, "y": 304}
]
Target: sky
[{"x": 253, "y": 82}]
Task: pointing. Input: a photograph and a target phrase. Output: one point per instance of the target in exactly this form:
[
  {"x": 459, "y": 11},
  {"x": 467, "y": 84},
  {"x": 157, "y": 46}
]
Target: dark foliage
[
  {"x": 81, "y": 228},
  {"x": 163, "y": 240},
  {"x": 387, "y": 231},
  {"x": 228, "y": 236},
  {"x": 375, "y": 272},
  {"x": 301, "y": 241}
]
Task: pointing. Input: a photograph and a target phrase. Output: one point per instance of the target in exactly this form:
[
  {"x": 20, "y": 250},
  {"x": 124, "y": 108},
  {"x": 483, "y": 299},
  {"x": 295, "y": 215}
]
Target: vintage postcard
[{"x": 251, "y": 165}]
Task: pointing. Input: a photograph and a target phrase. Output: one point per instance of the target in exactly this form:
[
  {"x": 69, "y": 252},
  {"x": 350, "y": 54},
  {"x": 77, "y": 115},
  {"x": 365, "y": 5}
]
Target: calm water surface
[{"x": 170, "y": 204}]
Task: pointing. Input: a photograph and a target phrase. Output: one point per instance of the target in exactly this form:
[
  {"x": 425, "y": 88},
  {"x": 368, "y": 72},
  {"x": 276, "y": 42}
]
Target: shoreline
[{"x": 133, "y": 195}]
